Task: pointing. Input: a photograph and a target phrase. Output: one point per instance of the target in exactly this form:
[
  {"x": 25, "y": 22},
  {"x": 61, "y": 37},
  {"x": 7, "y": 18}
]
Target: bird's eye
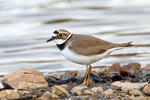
[{"x": 60, "y": 35}]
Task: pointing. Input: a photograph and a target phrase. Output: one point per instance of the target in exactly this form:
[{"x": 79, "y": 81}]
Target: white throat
[{"x": 61, "y": 41}]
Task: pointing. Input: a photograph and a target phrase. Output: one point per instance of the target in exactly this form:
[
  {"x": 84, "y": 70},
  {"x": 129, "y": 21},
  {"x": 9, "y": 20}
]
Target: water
[{"x": 25, "y": 26}]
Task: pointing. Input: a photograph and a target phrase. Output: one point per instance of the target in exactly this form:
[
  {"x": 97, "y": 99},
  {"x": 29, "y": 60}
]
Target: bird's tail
[{"x": 125, "y": 44}]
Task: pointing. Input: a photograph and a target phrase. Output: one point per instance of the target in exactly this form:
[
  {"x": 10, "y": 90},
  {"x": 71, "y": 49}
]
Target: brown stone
[
  {"x": 92, "y": 91},
  {"x": 77, "y": 89},
  {"x": 128, "y": 86},
  {"x": 97, "y": 89},
  {"x": 25, "y": 79},
  {"x": 109, "y": 92},
  {"x": 83, "y": 90},
  {"x": 138, "y": 98},
  {"x": 135, "y": 66},
  {"x": 49, "y": 96},
  {"x": 60, "y": 91},
  {"x": 136, "y": 92},
  {"x": 114, "y": 68},
  {"x": 9, "y": 94},
  {"x": 146, "y": 89},
  {"x": 147, "y": 67},
  {"x": 132, "y": 66}
]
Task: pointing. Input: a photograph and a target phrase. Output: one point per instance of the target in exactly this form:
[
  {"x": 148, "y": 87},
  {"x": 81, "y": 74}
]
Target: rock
[
  {"x": 97, "y": 89},
  {"x": 60, "y": 91},
  {"x": 136, "y": 92},
  {"x": 92, "y": 91},
  {"x": 114, "y": 68},
  {"x": 146, "y": 89},
  {"x": 9, "y": 94},
  {"x": 85, "y": 97},
  {"x": 135, "y": 66},
  {"x": 24, "y": 79},
  {"x": 147, "y": 67},
  {"x": 86, "y": 92},
  {"x": 68, "y": 75},
  {"x": 49, "y": 96},
  {"x": 83, "y": 90},
  {"x": 109, "y": 92},
  {"x": 128, "y": 86},
  {"x": 77, "y": 89},
  {"x": 138, "y": 98},
  {"x": 132, "y": 66}
]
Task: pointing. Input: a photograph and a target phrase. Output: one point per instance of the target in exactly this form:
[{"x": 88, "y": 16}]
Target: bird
[{"x": 83, "y": 49}]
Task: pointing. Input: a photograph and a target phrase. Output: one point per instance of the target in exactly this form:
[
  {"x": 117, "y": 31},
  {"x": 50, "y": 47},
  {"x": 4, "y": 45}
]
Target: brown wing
[{"x": 88, "y": 45}]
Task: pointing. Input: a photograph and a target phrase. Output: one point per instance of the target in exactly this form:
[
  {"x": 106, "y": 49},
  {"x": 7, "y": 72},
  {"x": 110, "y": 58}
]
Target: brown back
[{"x": 89, "y": 45}]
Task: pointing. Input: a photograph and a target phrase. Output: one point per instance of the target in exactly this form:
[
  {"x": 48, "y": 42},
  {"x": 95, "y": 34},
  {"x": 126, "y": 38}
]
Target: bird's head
[{"x": 59, "y": 36}]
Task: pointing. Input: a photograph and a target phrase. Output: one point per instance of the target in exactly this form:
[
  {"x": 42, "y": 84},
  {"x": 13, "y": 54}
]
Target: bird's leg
[{"x": 86, "y": 76}]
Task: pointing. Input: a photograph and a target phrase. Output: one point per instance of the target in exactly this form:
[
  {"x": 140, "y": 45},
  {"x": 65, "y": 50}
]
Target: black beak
[{"x": 52, "y": 38}]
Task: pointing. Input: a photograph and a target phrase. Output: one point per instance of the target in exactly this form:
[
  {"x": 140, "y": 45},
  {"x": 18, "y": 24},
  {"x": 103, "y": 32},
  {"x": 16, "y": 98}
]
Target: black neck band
[{"x": 61, "y": 46}]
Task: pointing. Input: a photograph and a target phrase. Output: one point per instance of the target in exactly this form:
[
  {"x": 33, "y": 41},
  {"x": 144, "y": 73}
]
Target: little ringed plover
[{"x": 83, "y": 49}]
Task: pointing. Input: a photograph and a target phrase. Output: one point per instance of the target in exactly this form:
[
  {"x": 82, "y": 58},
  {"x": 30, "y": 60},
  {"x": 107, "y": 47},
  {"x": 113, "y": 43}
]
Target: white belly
[{"x": 80, "y": 59}]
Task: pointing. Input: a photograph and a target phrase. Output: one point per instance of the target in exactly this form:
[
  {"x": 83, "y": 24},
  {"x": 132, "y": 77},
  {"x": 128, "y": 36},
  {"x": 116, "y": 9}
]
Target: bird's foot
[{"x": 86, "y": 81}]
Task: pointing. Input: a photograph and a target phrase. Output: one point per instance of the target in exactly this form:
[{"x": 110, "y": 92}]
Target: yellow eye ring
[{"x": 60, "y": 35}]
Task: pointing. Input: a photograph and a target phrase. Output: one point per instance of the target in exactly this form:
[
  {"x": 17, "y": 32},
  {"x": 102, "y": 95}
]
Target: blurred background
[{"x": 25, "y": 25}]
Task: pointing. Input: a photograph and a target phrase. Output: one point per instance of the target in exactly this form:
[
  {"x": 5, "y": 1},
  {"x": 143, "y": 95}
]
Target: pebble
[
  {"x": 131, "y": 67},
  {"x": 146, "y": 89},
  {"x": 138, "y": 98},
  {"x": 60, "y": 91},
  {"x": 49, "y": 96},
  {"x": 77, "y": 89},
  {"x": 97, "y": 89},
  {"x": 25, "y": 79},
  {"x": 127, "y": 86},
  {"x": 136, "y": 92},
  {"x": 83, "y": 90},
  {"x": 109, "y": 92},
  {"x": 114, "y": 68},
  {"x": 147, "y": 67},
  {"x": 9, "y": 94}
]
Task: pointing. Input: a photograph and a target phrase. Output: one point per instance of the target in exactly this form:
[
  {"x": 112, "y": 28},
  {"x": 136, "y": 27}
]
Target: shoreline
[{"x": 129, "y": 81}]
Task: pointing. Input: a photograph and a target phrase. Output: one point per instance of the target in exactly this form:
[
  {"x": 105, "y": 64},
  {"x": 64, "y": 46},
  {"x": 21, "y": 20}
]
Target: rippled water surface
[{"x": 25, "y": 25}]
